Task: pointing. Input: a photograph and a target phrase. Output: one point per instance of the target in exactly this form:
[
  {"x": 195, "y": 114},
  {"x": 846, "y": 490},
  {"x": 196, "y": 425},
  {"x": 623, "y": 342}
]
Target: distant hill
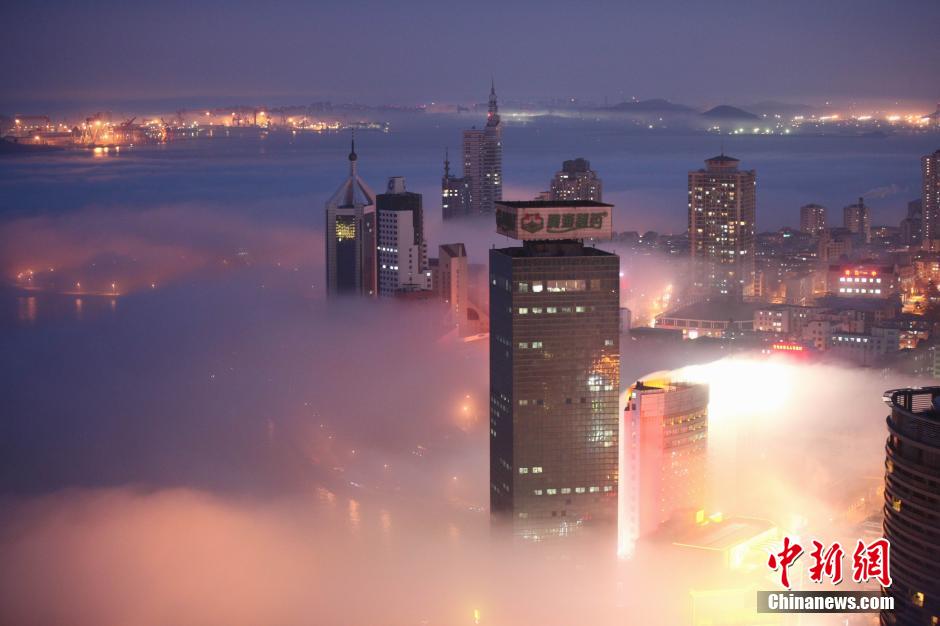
[
  {"x": 726, "y": 112},
  {"x": 654, "y": 105}
]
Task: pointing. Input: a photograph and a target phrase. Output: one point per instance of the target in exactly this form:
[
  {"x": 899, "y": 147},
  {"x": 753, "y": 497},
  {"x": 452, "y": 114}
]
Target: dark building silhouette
[
  {"x": 554, "y": 371},
  {"x": 912, "y": 505},
  {"x": 576, "y": 181},
  {"x": 351, "y": 236},
  {"x": 455, "y": 193}
]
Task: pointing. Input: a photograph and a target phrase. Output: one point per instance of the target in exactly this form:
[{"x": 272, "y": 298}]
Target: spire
[
  {"x": 353, "y": 157},
  {"x": 492, "y": 116},
  {"x": 446, "y": 163}
]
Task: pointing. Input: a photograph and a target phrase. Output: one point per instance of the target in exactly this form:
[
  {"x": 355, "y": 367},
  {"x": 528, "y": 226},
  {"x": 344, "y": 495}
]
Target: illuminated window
[
  {"x": 896, "y": 504},
  {"x": 536, "y": 344},
  {"x": 536, "y": 470},
  {"x": 345, "y": 230},
  {"x": 537, "y": 287},
  {"x": 523, "y": 470},
  {"x": 551, "y": 492},
  {"x": 918, "y": 598},
  {"x": 523, "y": 311},
  {"x": 536, "y": 310},
  {"x": 537, "y": 492},
  {"x": 523, "y": 287},
  {"x": 552, "y": 309},
  {"x": 566, "y": 489},
  {"x": 523, "y": 345}
]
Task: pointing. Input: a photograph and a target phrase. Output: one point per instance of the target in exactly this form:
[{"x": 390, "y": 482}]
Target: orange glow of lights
[{"x": 788, "y": 347}]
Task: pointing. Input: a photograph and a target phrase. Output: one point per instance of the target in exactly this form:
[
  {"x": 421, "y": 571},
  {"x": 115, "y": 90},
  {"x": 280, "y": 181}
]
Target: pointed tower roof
[
  {"x": 354, "y": 192},
  {"x": 492, "y": 115}
]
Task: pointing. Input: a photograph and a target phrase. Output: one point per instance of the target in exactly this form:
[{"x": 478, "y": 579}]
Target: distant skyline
[{"x": 844, "y": 51}]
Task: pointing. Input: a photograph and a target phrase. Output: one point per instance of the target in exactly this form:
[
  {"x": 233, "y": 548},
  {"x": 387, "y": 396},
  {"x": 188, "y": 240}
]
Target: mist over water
[{"x": 212, "y": 443}]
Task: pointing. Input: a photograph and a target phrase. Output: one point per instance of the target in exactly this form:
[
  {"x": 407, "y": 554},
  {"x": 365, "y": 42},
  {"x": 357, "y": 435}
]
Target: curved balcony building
[{"x": 912, "y": 505}]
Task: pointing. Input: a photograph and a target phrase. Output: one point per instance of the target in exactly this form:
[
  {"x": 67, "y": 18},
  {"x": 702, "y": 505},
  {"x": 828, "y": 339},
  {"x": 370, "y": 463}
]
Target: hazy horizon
[{"x": 860, "y": 52}]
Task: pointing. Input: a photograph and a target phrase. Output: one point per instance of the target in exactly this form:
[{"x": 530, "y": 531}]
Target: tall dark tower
[
  {"x": 350, "y": 236},
  {"x": 912, "y": 505},
  {"x": 554, "y": 369},
  {"x": 455, "y": 193}
]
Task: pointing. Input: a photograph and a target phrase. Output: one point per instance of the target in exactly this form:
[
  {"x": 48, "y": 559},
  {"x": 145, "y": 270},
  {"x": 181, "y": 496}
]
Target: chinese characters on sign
[
  {"x": 868, "y": 562},
  {"x": 545, "y": 222}
]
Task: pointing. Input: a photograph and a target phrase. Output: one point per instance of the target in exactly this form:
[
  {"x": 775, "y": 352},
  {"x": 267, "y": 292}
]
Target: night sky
[{"x": 408, "y": 52}]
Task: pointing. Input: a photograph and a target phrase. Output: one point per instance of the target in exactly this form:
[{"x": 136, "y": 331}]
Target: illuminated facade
[
  {"x": 856, "y": 218},
  {"x": 401, "y": 249},
  {"x": 576, "y": 181},
  {"x": 483, "y": 161},
  {"x": 554, "y": 386},
  {"x": 863, "y": 281},
  {"x": 664, "y": 446},
  {"x": 351, "y": 236},
  {"x": 912, "y": 506},
  {"x": 812, "y": 219},
  {"x": 930, "y": 200},
  {"x": 722, "y": 210}
]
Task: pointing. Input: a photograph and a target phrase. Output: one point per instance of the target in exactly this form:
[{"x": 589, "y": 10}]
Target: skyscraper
[
  {"x": 455, "y": 193},
  {"x": 554, "y": 368},
  {"x": 930, "y": 199},
  {"x": 722, "y": 211},
  {"x": 912, "y": 505},
  {"x": 812, "y": 219},
  {"x": 576, "y": 181},
  {"x": 350, "y": 236},
  {"x": 402, "y": 250},
  {"x": 857, "y": 219},
  {"x": 664, "y": 447},
  {"x": 453, "y": 280},
  {"x": 483, "y": 161}
]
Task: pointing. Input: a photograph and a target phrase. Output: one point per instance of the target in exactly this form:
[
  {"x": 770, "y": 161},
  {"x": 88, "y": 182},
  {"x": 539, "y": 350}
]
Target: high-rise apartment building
[
  {"x": 401, "y": 250},
  {"x": 350, "y": 236},
  {"x": 856, "y": 218},
  {"x": 453, "y": 280},
  {"x": 455, "y": 193},
  {"x": 554, "y": 369},
  {"x": 930, "y": 199},
  {"x": 722, "y": 211},
  {"x": 812, "y": 219},
  {"x": 912, "y": 506},
  {"x": 576, "y": 181},
  {"x": 483, "y": 161},
  {"x": 664, "y": 449}
]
